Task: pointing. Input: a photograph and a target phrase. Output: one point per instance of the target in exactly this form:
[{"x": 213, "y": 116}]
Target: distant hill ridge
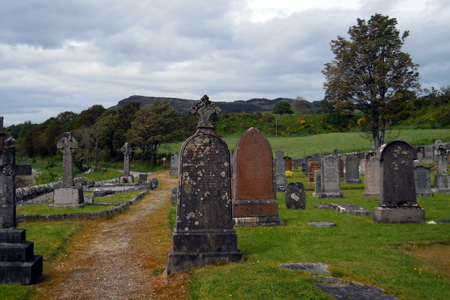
[{"x": 182, "y": 106}]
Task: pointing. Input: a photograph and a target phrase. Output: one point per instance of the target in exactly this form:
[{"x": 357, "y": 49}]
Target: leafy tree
[
  {"x": 369, "y": 69},
  {"x": 154, "y": 126},
  {"x": 281, "y": 108}
]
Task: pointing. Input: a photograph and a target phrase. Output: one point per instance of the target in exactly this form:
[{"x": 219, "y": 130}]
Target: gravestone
[
  {"x": 420, "y": 152},
  {"x": 280, "y": 173},
  {"x": 318, "y": 183},
  {"x": 362, "y": 169},
  {"x": 18, "y": 264},
  {"x": 287, "y": 163},
  {"x": 398, "y": 200},
  {"x": 341, "y": 170},
  {"x": 295, "y": 196},
  {"x": 422, "y": 179},
  {"x": 174, "y": 195},
  {"x": 126, "y": 177},
  {"x": 372, "y": 176},
  {"x": 68, "y": 195},
  {"x": 312, "y": 168},
  {"x": 441, "y": 179},
  {"x": 305, "y": 170},
  {"x": 154, "y": 183},
  {"x": 174, "y": 164},
  {"x": 330, "y": 177},
  {"x": 428, "y": 158},
  {"x": 203, "y": 233},
  {"x": 142, "y": 178},
  {"x": 352, "y": 169},
  {"x": 253, "y": 193}
]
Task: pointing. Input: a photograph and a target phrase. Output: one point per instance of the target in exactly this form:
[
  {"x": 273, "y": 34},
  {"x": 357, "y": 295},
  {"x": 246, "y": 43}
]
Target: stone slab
[
  {"x": 316, "y": 268},
  {"x": 16, "y": 252},
  {"x": 13, "y": 235},
  {"x": 255, "y": 208},
  {"x": 399, "y": 215},
  {"x": 67, "y": 196},
  {"x": 322, "y": 224},
  {"x": 258, "y": 222},
  {"x": 442, "y": 221},
  {"x": 126, "y": 179},
  {"x": 28, "y": 272},
  {"x": 346, "y": 208},
  {"x": 354, "y": 292}
]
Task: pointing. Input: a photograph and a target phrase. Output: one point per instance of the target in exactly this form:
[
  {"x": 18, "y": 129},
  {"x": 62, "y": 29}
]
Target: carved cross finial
[
  {"x": 204, "y": 111},
  {"x": 126, "y": 149},
  {"x": 67, "y": 144}
]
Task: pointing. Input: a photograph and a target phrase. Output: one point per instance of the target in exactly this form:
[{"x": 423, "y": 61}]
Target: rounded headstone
[{"x": 295, "y": 196}]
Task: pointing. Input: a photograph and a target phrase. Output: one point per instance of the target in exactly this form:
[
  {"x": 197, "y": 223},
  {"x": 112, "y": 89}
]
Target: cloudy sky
[{"x": 68, "y": 55}]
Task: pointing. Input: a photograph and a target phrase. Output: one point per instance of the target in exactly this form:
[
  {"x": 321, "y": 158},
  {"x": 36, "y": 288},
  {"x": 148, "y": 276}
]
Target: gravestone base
[
  {"x": 68, "y": 197},
  {"x": 370, "y": 195},
  {"x": 352, "y": 180},
  {"x": 126, "y": 179},
  {"x": 258, "y": 222},
  {"x": 328, "y": 195},
  {"x": 183, "y": 261},
  {"x": 281, "y": 188},
  {"x": 425, "y": 194},
  {"x": 311, "y": 183},
  {"x": 397, "y": 215},
  {"x": 18, "y": 264}
]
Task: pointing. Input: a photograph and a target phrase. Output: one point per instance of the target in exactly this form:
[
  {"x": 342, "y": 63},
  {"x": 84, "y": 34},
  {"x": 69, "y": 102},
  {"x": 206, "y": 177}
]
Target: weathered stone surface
[
  {"x": 352, "y": 169},
  {"x": 253, "y": 185},
  {"x": 204, "y": 231},
  {"x": 174, "y": 195},
  {"x": 318, "y": 183},
  {"x": 287, "y": 163},
  {"x": 372, "y": 175},
  {"x": 280, "y": 174},
  {"x": 312, "y": 168},
  {"x": 142, "y": 178},
  {"x": 441, "y": 179},
  {"x": 422, "y": 181},
  {"x": 67, "y": 145},
  {"x": 68, "y": 197},
  {"x": 322, "y": 224},
  {"x": 354, "y": 292},
  {"x": 398, "y": 201},
  {"x": 315, "y": 268},
  {"x": 429, "y": 156},
  {"x": 154, "y": 183},
  {"x": 330, "y": 177},
  {"x": 346, "y": 208},
  {"x": 174, "y": 164},
  {"x": 126, "y": 177},
  {"x": 295, "y": 196}
]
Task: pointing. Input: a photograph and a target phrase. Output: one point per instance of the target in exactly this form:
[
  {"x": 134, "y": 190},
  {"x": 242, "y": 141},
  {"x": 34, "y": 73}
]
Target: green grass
[
  {"x": 43, "y": 209},
  {"x": 356, "y": 249},
  {"x": 120, "y": 197}
]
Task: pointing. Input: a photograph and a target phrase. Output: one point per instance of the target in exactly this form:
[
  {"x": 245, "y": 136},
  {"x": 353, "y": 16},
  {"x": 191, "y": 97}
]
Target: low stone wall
[{"x": 120, "y": 207}]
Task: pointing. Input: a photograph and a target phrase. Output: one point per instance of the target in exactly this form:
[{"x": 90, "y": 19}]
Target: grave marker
[
  {"x": 441, "y": 179},
  {"x": 287, "y": 163},
  {"x": 352, "y": 169},
  {"x": 330, "y": 179},
  {"x": 295, "y": 196},
  {"x": 174, "y": 164},
  {"x": 398, "y": 201},
  {"x": 312, "y": 168},
  {"x": 372, "y": 176},
  {"x": 422, "y": 180},
  {"x": 204, "y": 231},
  {"x": 280, "y": 173},
  {"x": 126, "y": 177}
]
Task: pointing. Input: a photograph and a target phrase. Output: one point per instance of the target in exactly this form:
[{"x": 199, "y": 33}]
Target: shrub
[{"x": 289, "y": 174}]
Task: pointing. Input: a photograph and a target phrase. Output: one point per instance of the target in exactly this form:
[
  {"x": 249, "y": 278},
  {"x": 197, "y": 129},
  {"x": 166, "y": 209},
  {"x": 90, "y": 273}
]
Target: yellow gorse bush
[{"x": 289, "y": 174}]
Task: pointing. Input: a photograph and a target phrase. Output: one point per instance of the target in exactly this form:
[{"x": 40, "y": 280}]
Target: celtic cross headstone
[
  {"x": 67, "y": 145},
  {"x": 126, "y": 177}
]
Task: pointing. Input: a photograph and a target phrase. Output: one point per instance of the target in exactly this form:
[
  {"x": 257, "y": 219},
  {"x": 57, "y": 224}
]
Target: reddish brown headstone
[
  {"x": 287, "y": 163},
  {"x": 312, "y": 168},
  {"x": 253, "y": 193}
]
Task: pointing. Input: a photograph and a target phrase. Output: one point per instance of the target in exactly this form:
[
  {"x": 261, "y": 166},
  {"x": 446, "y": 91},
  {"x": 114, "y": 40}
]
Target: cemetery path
[{"x": 123, "y": 257}]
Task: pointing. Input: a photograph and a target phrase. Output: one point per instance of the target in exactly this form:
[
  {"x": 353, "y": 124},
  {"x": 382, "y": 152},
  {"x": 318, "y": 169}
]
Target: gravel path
[{"x": 108, "y": 259}]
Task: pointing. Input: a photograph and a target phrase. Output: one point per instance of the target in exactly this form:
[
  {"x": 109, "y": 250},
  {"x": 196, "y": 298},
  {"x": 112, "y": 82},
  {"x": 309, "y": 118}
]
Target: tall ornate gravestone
[
  {"x": 422, "y": 179},
  {"x": 372, "y": 175},
  {"x": 203, "y": 233},
  {"x": 18, "y": 264},
  {"x": 398, "y": 201},
  {"x": 312, "y": 168},
  {"x": 295, "y": 196},
  {"x": 126, "y": 177},
  {"x": 280, "y": 173},
  {"x": 253, "y": 191},
  {"x": 174, "y": 163},
  {"x": 352, "y": 169},
  {"x": 68, "y": 195},
  {"x": 441, "y": 179},
  {"x": 287, "y": 163},
  {"x": 330, "y": 177}
]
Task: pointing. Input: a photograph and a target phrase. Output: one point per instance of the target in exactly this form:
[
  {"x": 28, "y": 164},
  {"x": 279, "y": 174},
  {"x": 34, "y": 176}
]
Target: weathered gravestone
[
  {"x": 174, "y": 195},
  {"x": 329, "y": 178},
  {"x": 420, "y": 152},
  {"x": 174, "y": 164},
  {"x": 422, "y": 180},
  {"x": 441, "y": 179},
  {"x": 253, "y": 192},
  {"x": 203, "y": 233},
  {"x": 18, "y": 264},
  {"x": 307, "y": 160},
  {"x": 280, "y": 173},
  {"x": 429, "y": 157},
  {"x": 287, "y": 163},
  {"x": 142, "y": 178},
  {"x": 362, "y": 169},
  {"x": 398, "y": 201},
  {"x": 295, "y": 196},
  {"x": 352, "y": 169},
  {"x": 372, "y": 175},
  {"x": 312, "y": 168},
  {"x": 68, "y": 195},
  {"x": 126, "y": 177},
  {"x": 318, "y": 183}
]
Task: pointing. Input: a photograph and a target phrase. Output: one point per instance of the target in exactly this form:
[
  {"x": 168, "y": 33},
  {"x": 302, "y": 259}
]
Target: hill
[{"x": 182, "y": 106}]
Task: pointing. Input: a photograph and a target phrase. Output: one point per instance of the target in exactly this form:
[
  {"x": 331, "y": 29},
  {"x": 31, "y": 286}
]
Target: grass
[
  {"x": 43, "y": 209},
  {"x": 120, "y": 197}
]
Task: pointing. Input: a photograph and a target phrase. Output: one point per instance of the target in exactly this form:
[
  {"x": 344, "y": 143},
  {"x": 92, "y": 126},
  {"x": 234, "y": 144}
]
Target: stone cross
[
  {"x": 204, "y": 112},
  {"x": 9, "y": 170},
  {"x": 126, "y": 150},
  {"x": 67, "y": 145},
  {"x": 442, "y": 157}
]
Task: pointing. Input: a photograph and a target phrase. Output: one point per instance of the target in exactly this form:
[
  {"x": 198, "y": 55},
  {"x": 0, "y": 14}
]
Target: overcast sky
[{"x": 68, "y": 55}]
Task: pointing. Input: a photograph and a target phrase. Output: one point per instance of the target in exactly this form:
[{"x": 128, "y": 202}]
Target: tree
[
  {"x": 369, "y": 70},
  {"x": 281, "y": 108},
  {"x": 154, "y": 126}
]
